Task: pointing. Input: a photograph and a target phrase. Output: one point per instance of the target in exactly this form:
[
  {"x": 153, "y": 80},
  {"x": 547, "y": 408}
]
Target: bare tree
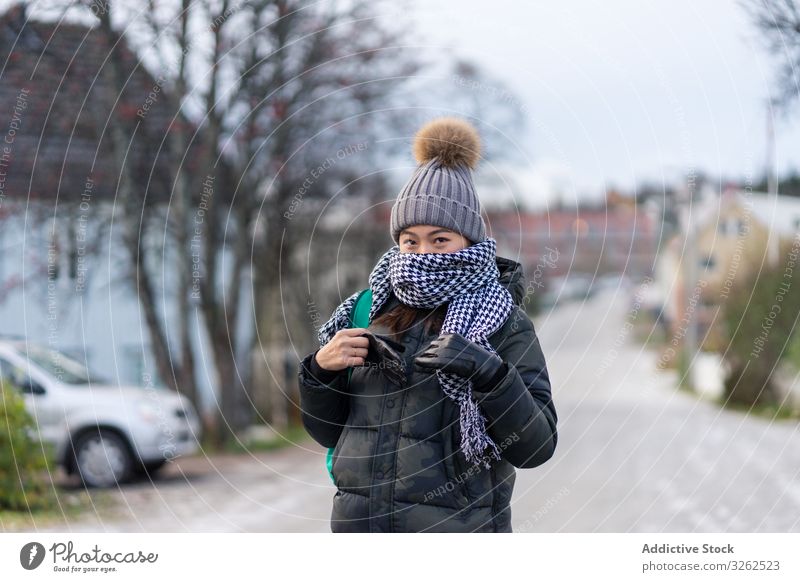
[
  {"x": 135, "y": 213},
  {"x": 315, "y": 84},
  {"x": 274, "y": 88},
  {"x": 278, "y": 110},
  {"x": 779, "y": 23}
]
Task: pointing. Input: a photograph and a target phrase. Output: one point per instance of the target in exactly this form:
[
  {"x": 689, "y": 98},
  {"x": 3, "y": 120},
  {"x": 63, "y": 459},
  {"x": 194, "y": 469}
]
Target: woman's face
[{"x": 424, "y": 238}]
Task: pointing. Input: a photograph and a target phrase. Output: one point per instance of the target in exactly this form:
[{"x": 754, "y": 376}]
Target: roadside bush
[
  {"x": 23, "y": 462},
  {"x": 760, "y": 319}
]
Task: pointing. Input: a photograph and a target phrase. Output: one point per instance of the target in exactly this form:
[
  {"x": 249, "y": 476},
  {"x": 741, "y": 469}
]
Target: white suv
[{"x": 103, "y": 432}]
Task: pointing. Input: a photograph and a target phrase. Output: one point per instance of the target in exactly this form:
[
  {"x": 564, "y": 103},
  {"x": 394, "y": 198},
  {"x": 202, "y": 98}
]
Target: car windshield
[{"x": 60, "y": 366}]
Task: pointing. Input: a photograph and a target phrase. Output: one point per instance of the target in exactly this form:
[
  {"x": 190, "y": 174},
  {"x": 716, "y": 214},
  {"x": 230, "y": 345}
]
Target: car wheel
[{"x": 102, "y": 459}]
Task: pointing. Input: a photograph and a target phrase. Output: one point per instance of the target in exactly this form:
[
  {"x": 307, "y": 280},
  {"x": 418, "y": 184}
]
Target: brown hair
[{"x": 403, "y": 316}]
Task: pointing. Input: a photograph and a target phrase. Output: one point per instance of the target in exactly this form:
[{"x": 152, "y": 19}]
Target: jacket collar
[{"x": 511, "y": 277}]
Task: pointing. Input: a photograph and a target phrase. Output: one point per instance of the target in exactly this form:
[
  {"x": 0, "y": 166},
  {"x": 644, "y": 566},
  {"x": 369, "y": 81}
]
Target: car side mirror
[{"x": 29, "y": 386}]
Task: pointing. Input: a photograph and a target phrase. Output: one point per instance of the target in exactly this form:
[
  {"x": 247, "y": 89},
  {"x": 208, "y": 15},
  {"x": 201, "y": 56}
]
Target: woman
[{"x": 449, "y": 389}]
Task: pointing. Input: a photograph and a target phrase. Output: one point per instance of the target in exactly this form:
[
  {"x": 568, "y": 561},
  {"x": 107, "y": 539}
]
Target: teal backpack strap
[{"x": 359, "y": 317}]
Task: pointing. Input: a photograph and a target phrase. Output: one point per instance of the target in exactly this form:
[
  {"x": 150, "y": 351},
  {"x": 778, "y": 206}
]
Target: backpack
[{"x": 359, "y": 317}]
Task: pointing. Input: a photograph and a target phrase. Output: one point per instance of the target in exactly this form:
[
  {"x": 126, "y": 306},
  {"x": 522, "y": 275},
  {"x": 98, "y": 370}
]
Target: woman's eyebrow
[{"x": 433, "y": 232}]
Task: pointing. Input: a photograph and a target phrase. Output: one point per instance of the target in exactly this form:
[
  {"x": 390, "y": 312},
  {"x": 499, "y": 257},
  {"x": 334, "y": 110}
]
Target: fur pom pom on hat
[
  {"x": 441, "y": 191},
  {"x": 454, "y": 141}
]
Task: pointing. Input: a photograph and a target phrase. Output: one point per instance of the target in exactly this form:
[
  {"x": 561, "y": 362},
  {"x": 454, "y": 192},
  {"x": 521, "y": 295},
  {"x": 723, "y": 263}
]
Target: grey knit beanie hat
[{"x": 441, "y": 192}]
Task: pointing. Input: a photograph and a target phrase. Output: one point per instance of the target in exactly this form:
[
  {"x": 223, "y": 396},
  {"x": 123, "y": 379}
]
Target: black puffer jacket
[{"x": 397, "y": 463}]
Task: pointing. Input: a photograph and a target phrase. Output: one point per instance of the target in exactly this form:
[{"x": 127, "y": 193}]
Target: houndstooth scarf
[{"x": 479, "y": 305}]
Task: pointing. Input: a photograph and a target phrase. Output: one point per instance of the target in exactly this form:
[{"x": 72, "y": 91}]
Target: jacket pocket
[
  {"x": 476, "y": 479},
  {"x": 452, "y": 462},
  {"x": 461, "y": 470},
  {"x": 336, "y": 451}
]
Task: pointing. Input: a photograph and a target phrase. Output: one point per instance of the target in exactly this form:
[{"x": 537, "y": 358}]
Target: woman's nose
[{"x": 425, "y": 248}]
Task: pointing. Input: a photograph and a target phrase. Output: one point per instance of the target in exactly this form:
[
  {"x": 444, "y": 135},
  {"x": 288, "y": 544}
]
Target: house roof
[
  {"x": 56, "y": 79},
  {"x": 778, "y": 212},
  {"x": 781, "y": 213}
]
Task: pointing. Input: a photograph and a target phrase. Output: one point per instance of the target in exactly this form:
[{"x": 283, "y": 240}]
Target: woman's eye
[{"x": 441, "y": 238}]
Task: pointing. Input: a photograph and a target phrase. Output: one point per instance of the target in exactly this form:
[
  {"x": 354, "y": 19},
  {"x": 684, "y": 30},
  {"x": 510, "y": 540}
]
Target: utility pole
[
  {"x": 690, "y": 280},
  {"x": 772, "y": 188}
]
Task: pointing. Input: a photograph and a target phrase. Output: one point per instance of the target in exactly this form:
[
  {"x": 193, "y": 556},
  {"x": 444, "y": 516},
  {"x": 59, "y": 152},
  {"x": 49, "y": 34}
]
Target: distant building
[
  {"x": 58, "y": 73},
  {"x": 618, "y": 238},
  {"x": 732, "y": 235},
  {"x": 734, "y": 240},
  {"x": 58, "y": 191}
]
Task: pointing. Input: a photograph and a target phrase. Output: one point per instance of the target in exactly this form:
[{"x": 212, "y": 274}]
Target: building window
[
  {"x": 741, "y": 227},
  {"x": 707, "y": 262},
  {"x": 732, "y": 227}
]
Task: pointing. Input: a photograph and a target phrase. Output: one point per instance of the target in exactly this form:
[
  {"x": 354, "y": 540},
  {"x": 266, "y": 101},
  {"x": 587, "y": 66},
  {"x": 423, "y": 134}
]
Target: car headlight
[{"x": 149, "y": 412}]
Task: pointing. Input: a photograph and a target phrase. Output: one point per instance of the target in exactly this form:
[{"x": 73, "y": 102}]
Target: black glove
[
  {"x": 455, "y": 354},
  {"x": 385, "y": 354}
]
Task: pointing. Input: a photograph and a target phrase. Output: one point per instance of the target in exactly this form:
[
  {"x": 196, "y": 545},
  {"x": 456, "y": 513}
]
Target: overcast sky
[{"x": 617, "y": 92}]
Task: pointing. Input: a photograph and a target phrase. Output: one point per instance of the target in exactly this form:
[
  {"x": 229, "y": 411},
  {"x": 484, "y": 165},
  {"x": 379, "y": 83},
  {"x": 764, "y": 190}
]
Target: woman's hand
[
  {"x": 347, "y": 348},
  {"x": 455, "y": 354}
]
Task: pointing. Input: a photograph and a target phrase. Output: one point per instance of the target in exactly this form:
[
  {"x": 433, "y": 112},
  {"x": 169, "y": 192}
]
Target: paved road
[{"x": 634, "y": 455}]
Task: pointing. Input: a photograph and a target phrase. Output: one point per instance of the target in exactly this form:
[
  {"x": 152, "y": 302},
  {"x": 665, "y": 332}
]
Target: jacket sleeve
[
  {"x": 324, "y": 404},
  {"x": 520, "y": 414}
]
